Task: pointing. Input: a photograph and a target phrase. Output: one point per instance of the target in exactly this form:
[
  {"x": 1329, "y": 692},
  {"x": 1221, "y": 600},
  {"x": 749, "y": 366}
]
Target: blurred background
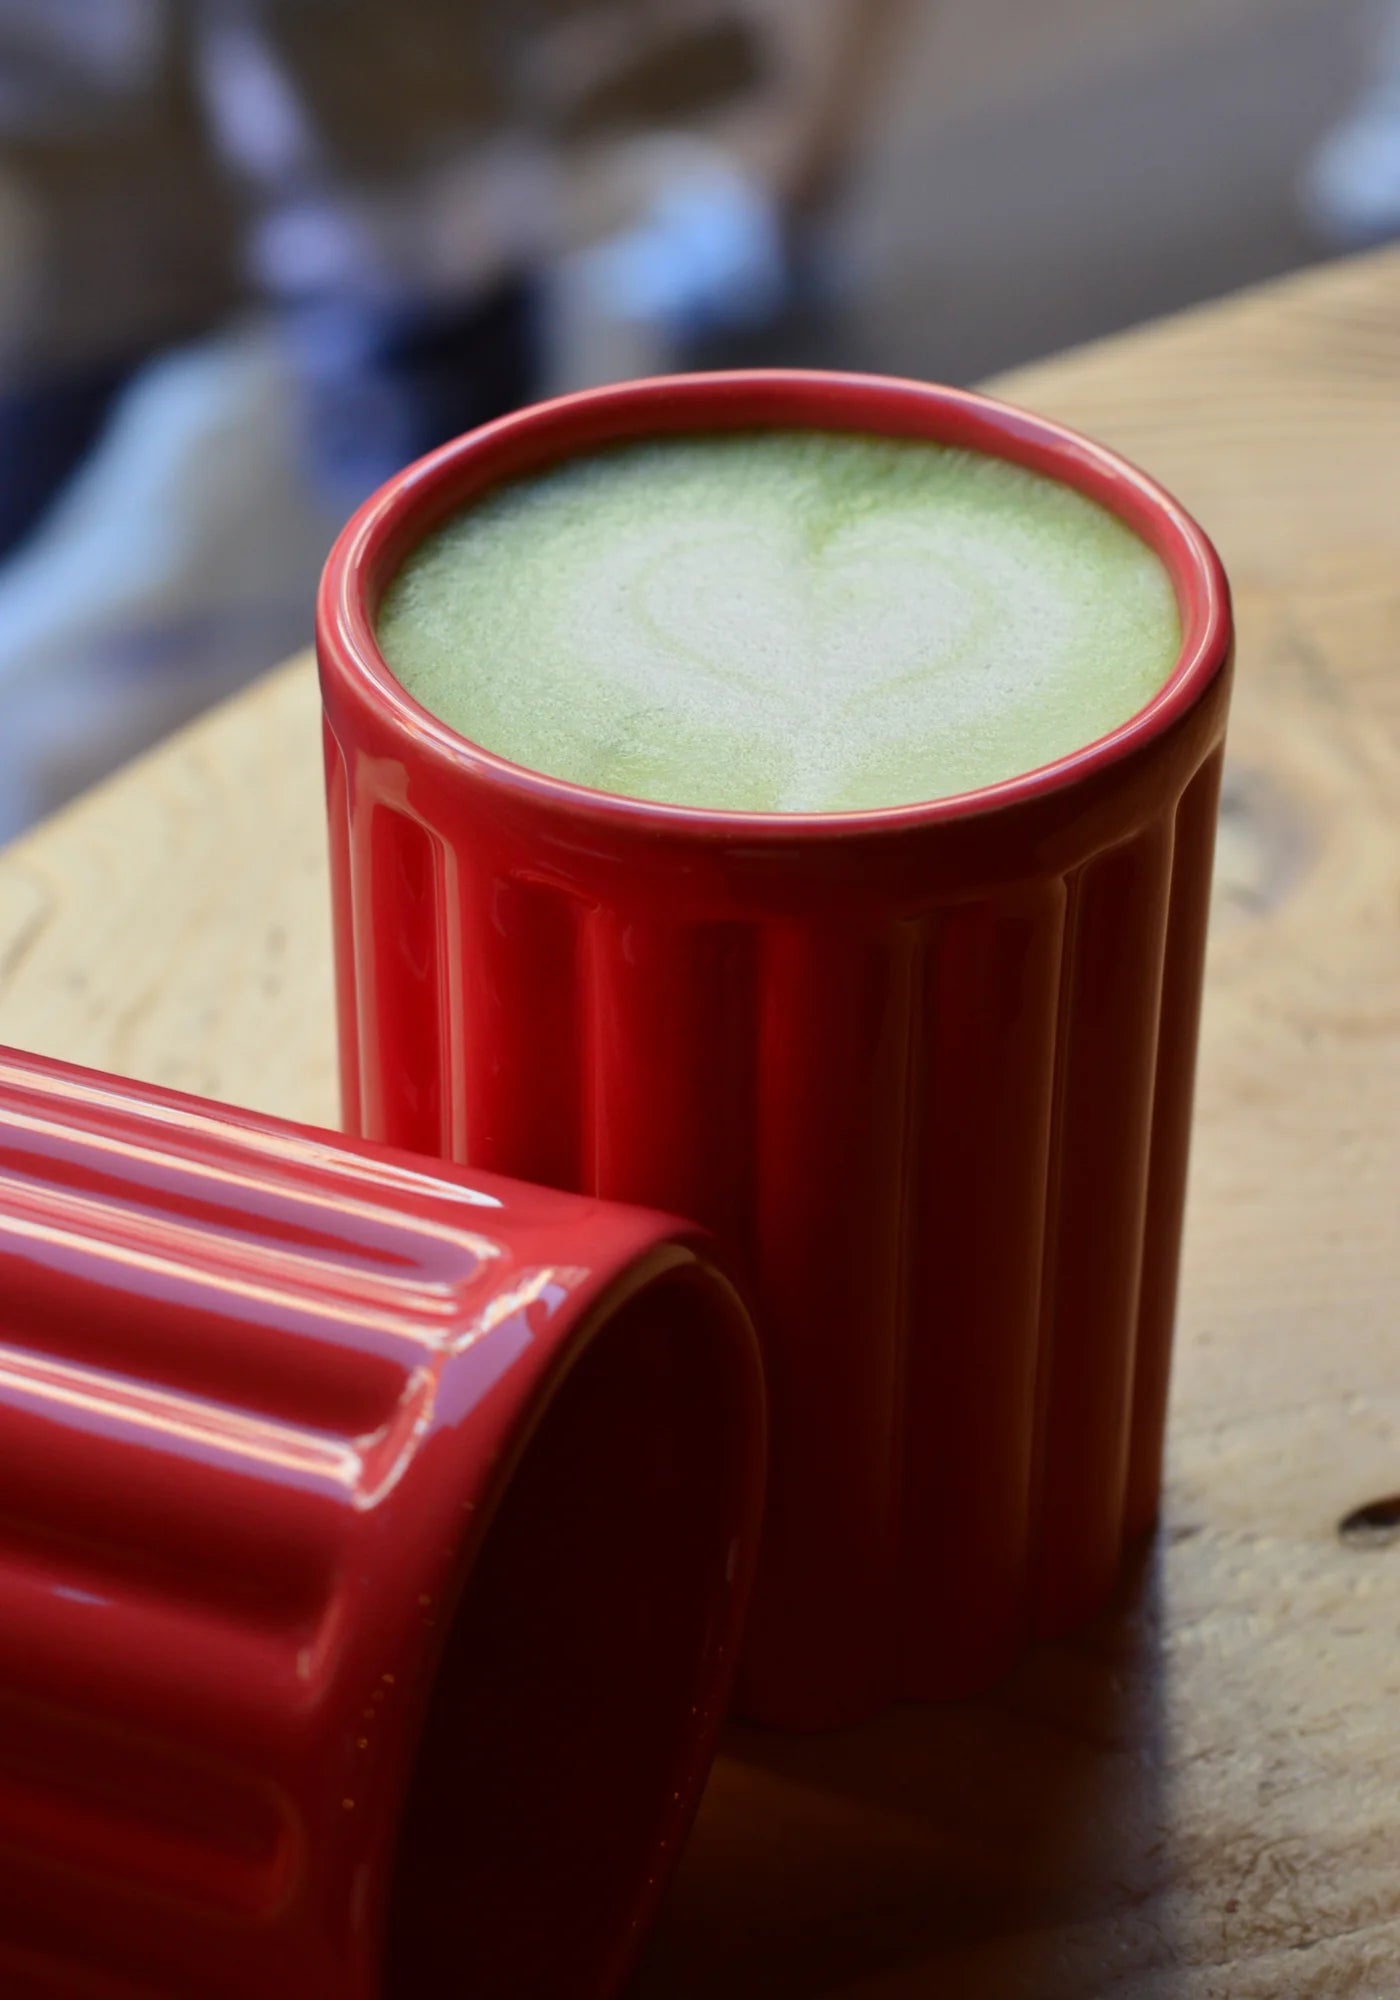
[{"x": 254, "y": 254}]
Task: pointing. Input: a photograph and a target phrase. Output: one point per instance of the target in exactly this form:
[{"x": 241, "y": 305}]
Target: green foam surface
[{"x": 782, "y": 621}]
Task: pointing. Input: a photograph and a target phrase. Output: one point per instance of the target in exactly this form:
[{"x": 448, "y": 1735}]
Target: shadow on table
[{"x": 1005, "y": 1849}]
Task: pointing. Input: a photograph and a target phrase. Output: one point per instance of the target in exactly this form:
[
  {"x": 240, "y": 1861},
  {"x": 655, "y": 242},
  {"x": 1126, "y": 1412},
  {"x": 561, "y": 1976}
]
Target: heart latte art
[{"x": 782, "y": 621}]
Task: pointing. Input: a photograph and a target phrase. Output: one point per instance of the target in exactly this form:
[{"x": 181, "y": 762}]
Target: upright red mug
[
  {"x": 927, "y": 1070},
  {"x": 374, "y": 1552}
]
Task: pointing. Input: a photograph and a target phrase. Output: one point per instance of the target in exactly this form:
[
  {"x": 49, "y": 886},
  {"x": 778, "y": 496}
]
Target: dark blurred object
[
  {"x": 383, "y": 385},
  {"x": 47, "y": 429}
]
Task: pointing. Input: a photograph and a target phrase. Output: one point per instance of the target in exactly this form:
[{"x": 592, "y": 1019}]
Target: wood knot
[
  {"x": 1263, "y": 846},
  {"x": 1373, "y": 1526}
]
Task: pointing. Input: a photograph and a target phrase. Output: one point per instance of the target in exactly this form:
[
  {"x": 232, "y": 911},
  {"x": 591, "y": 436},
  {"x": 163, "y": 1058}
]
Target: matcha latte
[{"x": 782, "y": 621}]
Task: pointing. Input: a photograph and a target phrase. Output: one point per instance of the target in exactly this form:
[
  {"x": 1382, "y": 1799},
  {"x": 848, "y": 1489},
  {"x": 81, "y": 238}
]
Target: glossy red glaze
[
  {"x": 927, "y": 1069},
  {"x": 375, "y": 1541}
]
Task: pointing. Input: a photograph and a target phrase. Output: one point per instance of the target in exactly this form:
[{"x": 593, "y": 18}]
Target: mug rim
[{"x": 380, "y": 534}]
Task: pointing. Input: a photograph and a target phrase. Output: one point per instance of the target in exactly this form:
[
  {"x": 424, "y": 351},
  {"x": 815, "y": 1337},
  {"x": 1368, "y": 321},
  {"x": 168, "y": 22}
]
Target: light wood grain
[{"x": 1200, "y": 1799}]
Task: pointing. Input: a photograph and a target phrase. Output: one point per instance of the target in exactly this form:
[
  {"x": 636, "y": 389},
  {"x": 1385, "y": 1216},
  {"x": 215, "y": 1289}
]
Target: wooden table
[{"x": 1200, "y": 1797}]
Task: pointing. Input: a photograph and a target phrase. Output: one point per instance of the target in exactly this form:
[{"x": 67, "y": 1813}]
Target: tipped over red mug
[
  {"x": 376, "y": 1544},
  {"x": 926, "y": 1070}
]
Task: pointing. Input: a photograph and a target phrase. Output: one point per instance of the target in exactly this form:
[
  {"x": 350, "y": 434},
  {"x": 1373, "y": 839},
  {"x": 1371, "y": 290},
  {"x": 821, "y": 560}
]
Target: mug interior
[{"x": 573, "y": 1712}]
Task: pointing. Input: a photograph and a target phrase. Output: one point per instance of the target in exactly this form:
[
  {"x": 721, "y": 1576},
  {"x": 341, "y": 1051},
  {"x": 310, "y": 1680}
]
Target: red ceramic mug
[
  {"x": 927, "y": 1070},
  {"x": 375, "y": 1544}
]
